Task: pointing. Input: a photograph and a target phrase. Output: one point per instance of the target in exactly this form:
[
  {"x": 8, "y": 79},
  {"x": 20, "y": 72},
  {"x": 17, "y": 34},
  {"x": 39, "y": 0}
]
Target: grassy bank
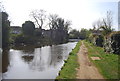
[
  {"x": 108, "y": 65},
  {"x": 68, "y": 71}
]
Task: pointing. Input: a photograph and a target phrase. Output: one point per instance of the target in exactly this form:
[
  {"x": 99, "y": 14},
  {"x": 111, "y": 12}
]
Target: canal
[{"x": 27, "y": 62}]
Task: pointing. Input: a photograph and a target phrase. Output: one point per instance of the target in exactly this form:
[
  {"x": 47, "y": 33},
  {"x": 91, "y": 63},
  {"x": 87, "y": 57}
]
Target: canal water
[{"x": 35, "y": 63}]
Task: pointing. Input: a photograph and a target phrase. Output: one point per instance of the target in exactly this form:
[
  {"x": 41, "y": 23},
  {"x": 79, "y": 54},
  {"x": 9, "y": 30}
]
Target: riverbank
[
  {"x": 104, "y": 63},
  {"x": 68, "y": 71},
  {"x": 108, "y": 63}
]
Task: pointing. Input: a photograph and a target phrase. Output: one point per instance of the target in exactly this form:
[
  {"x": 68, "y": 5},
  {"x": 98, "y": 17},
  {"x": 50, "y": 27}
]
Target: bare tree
[
  {"x": 39, "y": 17},
  {"x": 52, "y": 21},
  {"x": 67, "y": 25},
  {"x": 104, "y": 24},
  {"x": 108, "y": 21}
]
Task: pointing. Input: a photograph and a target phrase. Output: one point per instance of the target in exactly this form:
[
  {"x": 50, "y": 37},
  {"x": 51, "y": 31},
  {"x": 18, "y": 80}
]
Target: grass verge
[
  {"x": 68, "y": 71},
  {"x": 108, "y": 65}
]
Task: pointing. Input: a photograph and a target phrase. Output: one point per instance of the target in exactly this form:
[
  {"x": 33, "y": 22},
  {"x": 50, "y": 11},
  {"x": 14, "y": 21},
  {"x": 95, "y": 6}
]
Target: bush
[
  {"x": 112, "y": 43},
  {"x": 99, "y": 41},
  {"x": 96, "y": 39},
  {"x": 19, "y": 39},
  {"x": 28, "y": 28}
]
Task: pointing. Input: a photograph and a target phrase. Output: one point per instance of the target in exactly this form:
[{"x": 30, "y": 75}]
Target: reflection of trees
[
  {"x": 0, "y": 59},
  {"x": 45, "y": 57},
  {"x": 56, "y": 55},
  {"x": 25, "y": 49},
  {"x": 38, "y": 62},
  {"x": 27, "y": 58},
  {"x": 5, "y": 60},
  {"x": 27, "y": 52}
]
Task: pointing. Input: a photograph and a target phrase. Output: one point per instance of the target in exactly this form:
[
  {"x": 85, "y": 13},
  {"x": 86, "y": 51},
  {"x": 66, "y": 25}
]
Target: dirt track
[{"x": 87, "y": 70}]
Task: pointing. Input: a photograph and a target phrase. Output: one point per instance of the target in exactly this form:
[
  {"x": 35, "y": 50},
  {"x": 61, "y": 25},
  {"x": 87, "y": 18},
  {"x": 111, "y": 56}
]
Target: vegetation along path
[{"x": 87, "y": 70}]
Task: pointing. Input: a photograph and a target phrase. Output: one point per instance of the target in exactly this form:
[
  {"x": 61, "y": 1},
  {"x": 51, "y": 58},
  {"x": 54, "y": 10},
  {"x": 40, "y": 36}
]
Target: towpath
[{"x": 87, "y": 69}]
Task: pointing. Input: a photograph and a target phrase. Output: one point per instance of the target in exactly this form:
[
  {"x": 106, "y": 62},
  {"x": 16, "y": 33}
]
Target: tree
[
  {"x": 59, "y": 28},
  {"x": 74, "y": 34},
  {"x": 67, "y": 25},
  {"x": 60, "y": 24},
  {"x": 52, "y": 21},
  {"x": 84, "y": 33},
  {"x": 5, "y": 27},
  {"x": 61, "y": 34},
  {"x": 39, "y": 17},
  {"x": 28, "y": 28},
  {"x": 5, "y": 30},
  {"x": 107, "y": 23}
]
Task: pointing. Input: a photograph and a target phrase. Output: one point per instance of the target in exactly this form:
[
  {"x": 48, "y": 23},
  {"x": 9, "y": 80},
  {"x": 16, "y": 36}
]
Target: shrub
[{"x": 112, "y": 43}]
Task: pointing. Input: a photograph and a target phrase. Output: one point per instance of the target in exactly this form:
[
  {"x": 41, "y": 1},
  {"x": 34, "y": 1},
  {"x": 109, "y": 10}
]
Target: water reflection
[
  {"x": 25, "y": 49},
  {"x": 27, "y": 58},
  {"x": 0, "y": 63},
  {"x": 27, "y": 52},
  {"x": 46, "y": 57},
  {"x": 56, "y": 55},
  {"x": 5, "y": 60},
  {"x": 35, "y": 63},
  {"x": 38, "y": 60}
]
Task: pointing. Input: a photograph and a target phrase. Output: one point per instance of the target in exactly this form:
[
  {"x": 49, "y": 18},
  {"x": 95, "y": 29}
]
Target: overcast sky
[{"x": 82, "y": 13}]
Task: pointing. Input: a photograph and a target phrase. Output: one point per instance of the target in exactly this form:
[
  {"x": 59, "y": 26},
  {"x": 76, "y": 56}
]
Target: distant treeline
[
  {"x": 102, "y": 34},
  {"x": 33, "y": 32}
]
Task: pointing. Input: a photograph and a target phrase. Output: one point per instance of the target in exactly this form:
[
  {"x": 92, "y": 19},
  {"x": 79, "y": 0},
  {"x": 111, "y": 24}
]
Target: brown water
[{"x": 35, "y": 63}]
